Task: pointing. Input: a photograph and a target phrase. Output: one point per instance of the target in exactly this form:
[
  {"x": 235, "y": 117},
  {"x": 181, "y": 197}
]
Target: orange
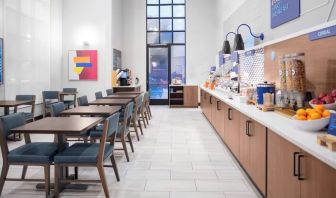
[
  {"x": 301, "y": 117},
  {"x": 319, "y": 108},
  {"x": 308, "y": 110},
  {"x": 315, "y": 116},
  {"x": 326, "y": 114},
  {"x": 301, "y": 112}
]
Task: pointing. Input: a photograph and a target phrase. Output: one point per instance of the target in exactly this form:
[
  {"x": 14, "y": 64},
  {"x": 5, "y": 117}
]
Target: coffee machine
[{"x": 124, "y": 78}]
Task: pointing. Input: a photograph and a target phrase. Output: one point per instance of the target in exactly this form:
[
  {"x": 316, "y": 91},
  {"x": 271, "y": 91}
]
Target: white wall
[
  {"x": 2, "y": 87},
  {"x": 257, "y": 14},
  {"x": 117, "y": 24},
  {"x": 87, "y": 20}
]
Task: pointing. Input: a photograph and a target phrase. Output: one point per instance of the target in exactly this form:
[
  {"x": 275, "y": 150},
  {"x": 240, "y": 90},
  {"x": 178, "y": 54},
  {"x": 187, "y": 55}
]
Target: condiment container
[{"x": 264, "y": 88}]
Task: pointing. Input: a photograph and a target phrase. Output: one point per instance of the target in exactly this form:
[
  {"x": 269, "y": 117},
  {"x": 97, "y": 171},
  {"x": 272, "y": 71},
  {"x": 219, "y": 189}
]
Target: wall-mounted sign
[
  {"x": 323, "y": 33},
  {"x": 234, "y": 57},
  {"x": 249, "y": 53},
  {"x": 283, "y": 11},
  {"x": 1, "y": 60},
  {"x": 221, "y": 59}
]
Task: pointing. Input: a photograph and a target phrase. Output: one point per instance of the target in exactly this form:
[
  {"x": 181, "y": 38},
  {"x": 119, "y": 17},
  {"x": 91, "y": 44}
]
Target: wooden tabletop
[
  {"x": 111, "y": 102},
  {"x": 59, "y": 125},
  {"x": 122, "y": 96},
  {"x": 68, "y": 93},
  {"x": 92, "y": 110},
  {"x": 129, "y": 92},
  {"x": 14, "y": 103}
]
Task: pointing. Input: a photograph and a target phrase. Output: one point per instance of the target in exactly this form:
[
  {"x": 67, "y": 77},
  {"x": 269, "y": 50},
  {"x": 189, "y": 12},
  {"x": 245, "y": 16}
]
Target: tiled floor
[{"x": 179, "y": 156}]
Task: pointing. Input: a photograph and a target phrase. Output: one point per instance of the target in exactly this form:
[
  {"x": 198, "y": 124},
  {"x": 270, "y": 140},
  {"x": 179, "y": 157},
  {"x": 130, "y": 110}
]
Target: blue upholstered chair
[
  {"x": 123, "y": 129},
  {"x": 109, "y": 92},
  {"x": 34, "y": 154},
  {"x": 99, "y": 95},
  {"x": 28, "y": 115},
  {"x": 69, "y": 102},
  {"x": 141, "y": 111},
  {"x": 148, "y": 111},
  {"x": 49, "y": 97},
  {"x": 90, "y": 154},
  {"x": 83, "y": 101},
  {"x": 56, "y": 109},
  {"x": 135, "y": 117}
]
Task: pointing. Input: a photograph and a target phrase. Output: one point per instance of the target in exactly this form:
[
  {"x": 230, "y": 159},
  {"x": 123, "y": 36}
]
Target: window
[{"x": 166, "y": 24}]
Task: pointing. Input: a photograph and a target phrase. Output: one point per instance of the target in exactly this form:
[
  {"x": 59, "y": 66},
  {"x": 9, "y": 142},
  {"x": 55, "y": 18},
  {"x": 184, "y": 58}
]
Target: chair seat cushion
[
  {"x": 37, "y": 152},
  {"x": 68, "y": 102},
  {"x": 82, "y": 153},
  {"x": 28, "y": 116}
]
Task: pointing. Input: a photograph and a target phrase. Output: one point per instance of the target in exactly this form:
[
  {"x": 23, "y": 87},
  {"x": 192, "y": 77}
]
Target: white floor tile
[{"x": 171, "y": 185}]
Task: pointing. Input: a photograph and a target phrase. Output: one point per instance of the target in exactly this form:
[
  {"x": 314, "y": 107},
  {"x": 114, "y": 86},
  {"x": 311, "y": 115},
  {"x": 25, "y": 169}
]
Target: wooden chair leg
[
  {"x": 136, "y": 129},
  {"x": 145, "y": 117},
  {"x": 4, "y": 173},
  {"x": 149, "y": 110},
  {"x": 103, "y": 179},
  {"x": 57, "y": 178},
  {"x": 24, "y": 171},
  {"x": 115, "y": 168},
  {"x": 140, "y": 127},
  {"x": 130, "y": 142},
  {"x": 123, "y": 141},
  {"x": 47, "y": 179}
]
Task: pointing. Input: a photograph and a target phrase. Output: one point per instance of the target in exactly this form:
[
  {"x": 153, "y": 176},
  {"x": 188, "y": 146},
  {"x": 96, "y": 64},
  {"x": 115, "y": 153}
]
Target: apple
[
  {"x": 328, "y": 100},
  {"x": 322, "y": 95},
  {"x": 315, "y": 101}
]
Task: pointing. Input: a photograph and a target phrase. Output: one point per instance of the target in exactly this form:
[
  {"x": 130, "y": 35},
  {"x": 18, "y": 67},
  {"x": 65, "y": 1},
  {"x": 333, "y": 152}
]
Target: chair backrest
[
  {"x": 57, "y": 108},
  {"x": 109, "y": 132},
  {"x": 50, "y": 95},
  {"x": 71, "y": 90},
  {"x": 99, "y": 95},
  {"x": 83, "y": 101},
  {"x": 137, "y": 106},
  {"x": 27, "y": 97},
  {"x": 141, "y": 103},
  {"x": 127, "y": 118},
  {"x": 109, "y": 92},
  {"x": 7, "y": 123}
]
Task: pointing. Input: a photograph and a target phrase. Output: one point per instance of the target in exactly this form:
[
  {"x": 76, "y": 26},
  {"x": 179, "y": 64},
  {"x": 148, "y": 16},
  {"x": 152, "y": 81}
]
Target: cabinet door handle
[
  {"x": 248, "y": 122},
  {"x": 218, "y": 109},
  {"x": 229, "y": 114},
  {"x": 299, "y": 168},
  {"x": 294, "y": 164},
  {"x": 210, "y": 100}
]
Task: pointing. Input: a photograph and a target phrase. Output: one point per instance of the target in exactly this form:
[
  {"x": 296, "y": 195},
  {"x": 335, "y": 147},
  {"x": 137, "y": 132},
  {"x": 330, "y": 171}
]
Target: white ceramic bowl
[
  {"x": 310, "y": 125},
  {"x": 326, "y": 106}
]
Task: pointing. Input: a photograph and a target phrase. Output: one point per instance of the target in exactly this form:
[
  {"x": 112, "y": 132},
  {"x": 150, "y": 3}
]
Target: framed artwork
[
  {"x": 83, "y": 65},
  {"x": 1, "y": 61},
  {"x": 116, "y": 59}
]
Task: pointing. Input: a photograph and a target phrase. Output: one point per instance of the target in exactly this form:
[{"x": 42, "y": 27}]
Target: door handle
[
  {"x": 229, "y": 114},
  {"x": 299, "y": 168},
  {"x": 218, "y": 109},
  {"x": 294, "y": 163},
  {"x": 248, "y": 122},
  {"x": 210, "y": 100}
]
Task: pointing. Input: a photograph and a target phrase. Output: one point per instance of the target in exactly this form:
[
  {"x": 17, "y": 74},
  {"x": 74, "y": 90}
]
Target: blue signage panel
[
  {"x": 1, "y": 60},
  {"x": 234, "y": 57},
  {"x": 221, "y": 59},
  {"x": 283, "y": 11},
  {"x": 323, "y": 33},
  {"x": 250, "y": 53}
]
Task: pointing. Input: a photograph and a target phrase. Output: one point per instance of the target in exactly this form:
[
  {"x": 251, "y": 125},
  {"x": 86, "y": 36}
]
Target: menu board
[
  {"x": 283, "y": 11},
  {"x": 1, "y": 60}
]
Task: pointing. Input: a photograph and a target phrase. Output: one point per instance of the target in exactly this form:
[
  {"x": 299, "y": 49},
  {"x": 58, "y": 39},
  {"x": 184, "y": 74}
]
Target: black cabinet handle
[
  {"x": 299, "y": 168},
  {"x": 210, "y": 100},
  {"x": 205, "y": 96},
  {"x": 248, "y": 122},
  {"x": 229, "y": 114},
  {"x": 218, "y": 109},
  {"x": 294, "y": 164}
]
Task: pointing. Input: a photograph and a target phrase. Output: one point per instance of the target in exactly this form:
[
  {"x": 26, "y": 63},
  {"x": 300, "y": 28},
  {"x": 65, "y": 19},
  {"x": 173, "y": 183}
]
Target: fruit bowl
[
  {"x": 310, "y": 125},
  {"x": 331, "y": 106}
]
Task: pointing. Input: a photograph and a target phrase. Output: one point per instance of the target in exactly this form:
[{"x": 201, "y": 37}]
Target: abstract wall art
[{"x": 83, "y": 65}]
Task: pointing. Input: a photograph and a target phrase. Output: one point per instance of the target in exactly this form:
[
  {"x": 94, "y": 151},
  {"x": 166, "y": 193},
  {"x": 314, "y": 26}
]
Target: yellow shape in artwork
[{"x": 78, "y": 70}]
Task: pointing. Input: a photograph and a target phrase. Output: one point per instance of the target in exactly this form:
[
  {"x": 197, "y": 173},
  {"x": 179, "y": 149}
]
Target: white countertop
[
  {"x": 129, "y": 86},
  {"x": 281, "y": 125}
]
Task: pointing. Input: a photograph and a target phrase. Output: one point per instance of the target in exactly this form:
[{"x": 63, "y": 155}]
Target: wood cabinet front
[
  {"x": 190, "y": 96},
  {"x": 231, "y": 129}
]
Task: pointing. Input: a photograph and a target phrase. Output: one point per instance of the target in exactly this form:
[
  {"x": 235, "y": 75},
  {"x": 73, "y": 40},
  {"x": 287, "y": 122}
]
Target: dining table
[
  {"x": 111, "y": 102},
  {"x": 59, "y": 126},
  {"x": 122, "y": 96},
  {"x": 6, "y": 104},
  {"x": 102, "y": 111},
  {"x": 129, "y": 92}
]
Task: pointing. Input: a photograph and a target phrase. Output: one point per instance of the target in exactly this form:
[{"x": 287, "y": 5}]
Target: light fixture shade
[
  {"x": 226, "y": 47},
  {"x": 238, "y": 43}
]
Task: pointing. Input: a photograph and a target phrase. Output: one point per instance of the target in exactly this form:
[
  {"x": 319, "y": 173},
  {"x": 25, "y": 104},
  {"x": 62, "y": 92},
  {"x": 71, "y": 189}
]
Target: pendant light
[
  {"x": 239, "y": 42},
  {"x": 226, "y": 45}
]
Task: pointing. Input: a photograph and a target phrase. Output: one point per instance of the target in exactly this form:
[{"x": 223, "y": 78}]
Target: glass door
[{"x": 158, "y": 73}]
